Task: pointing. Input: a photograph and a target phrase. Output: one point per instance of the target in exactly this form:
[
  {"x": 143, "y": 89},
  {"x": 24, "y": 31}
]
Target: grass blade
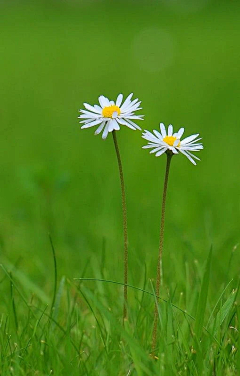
[{"x": 202, "y": 301}]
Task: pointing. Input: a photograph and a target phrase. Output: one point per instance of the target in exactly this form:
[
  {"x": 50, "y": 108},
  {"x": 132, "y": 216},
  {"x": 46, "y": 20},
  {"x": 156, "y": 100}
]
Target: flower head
[
  {"x": 169, "y": 142},
  {"x": 110, "y": 115}
]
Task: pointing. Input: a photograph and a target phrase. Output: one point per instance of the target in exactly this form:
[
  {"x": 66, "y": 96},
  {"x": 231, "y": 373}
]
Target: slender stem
[
  {"x": 124, "y": 209},
  {"x": 159, "y": 263}
]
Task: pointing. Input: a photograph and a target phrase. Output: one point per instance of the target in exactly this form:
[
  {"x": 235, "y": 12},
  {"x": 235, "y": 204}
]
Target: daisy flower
[
  {"x": 110, "y": 115},
  {"x": 169, "y": 142}
]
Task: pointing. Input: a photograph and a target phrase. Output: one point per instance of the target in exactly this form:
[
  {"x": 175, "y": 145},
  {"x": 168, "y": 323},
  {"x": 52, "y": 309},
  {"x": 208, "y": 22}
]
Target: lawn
[{"x": 60, "y": 201}]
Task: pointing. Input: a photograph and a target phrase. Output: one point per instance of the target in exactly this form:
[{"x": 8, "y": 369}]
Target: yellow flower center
[
  {"x": 108, "y": 111},
  {"x": 170, "y": 140}
]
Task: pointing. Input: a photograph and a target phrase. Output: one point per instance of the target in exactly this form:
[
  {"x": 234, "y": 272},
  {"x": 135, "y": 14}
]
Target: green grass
[
  {"x": 83, "y": 333},
  {"x": 184, "y": 66}
]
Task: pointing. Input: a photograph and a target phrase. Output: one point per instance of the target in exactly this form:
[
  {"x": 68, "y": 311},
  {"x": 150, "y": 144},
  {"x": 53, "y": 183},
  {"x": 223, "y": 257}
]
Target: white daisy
[
  {"x": 110, "y": 115},
  {"x": 167, "y": 141}
]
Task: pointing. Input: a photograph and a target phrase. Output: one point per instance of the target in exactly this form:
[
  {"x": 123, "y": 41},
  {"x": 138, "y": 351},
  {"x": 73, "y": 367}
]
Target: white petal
[
  {"x": 158, "y": 134},
  {"x": 116, "y": 126},
  {"x": 174, "y": 150},
  {"x": 121, "y": 121},
  {"x": 104, "y": 102},
  {"x": 193, "y": 142},
  {"x": 134, "y": 125},
  {"x": 105, "y": 132},
  {"x": 176, "y": 142},
  {"x": 151, "y": 145},
  {"x": 147, "y": 146},
  {"x": 119, "y": 100},
  {"x": 126, "y": 102},
  {"x": 150, "y": 137},
  {"x": 170, "y": 130},
  {"x": 91, "y": 108},
  {"x": 89, "y": 113},
  {"x": 180, "y": 133},
  {"x": 131, "y": 104},
  {"x": 194, "y": 156},
  {"x": 192, "y": 147},
  {"x": 88, "y": 125},
  {"x": 160, "y": 152},
  {"x": 100, "y": 128},
  {"x": 131, "y": 109},
  {"x": 113, "y": 125},
  {"x": 134, "y": 117},
  {"x": 87, "y": 116},
  {"x": 188, "y": 156},
  {"x": 129, "y": 116},
  {"x": 85, "y": 121},
  {"x": 98, "y": 108},
  {"x": 156, "y": 150},
  {"x": 124, "y": 122},
  {"x": 163, "y": 130},
  {"x": 189, "y": 138}
]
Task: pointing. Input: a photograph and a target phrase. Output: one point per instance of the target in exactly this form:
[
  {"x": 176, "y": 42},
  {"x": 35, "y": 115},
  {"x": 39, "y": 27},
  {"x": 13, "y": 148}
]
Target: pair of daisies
[{"x": 110, "y": 115}]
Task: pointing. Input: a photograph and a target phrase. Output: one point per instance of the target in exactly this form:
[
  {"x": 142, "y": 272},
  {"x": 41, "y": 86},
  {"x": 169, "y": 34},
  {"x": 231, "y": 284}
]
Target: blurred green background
[{"x": 182, "y": 60}]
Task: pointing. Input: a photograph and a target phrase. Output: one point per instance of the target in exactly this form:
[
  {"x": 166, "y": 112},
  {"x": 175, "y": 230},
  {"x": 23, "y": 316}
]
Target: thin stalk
[
  {"x": 159, "y": 263},
  {"x": 125, "y": 233}
]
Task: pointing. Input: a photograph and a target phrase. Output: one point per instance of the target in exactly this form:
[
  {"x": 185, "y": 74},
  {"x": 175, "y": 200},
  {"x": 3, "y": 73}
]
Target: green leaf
[{"x": 224, "y": 310}]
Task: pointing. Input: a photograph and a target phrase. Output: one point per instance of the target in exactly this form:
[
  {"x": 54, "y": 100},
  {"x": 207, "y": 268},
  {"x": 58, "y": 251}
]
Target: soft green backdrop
[{"x": 183, "y": 62}]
